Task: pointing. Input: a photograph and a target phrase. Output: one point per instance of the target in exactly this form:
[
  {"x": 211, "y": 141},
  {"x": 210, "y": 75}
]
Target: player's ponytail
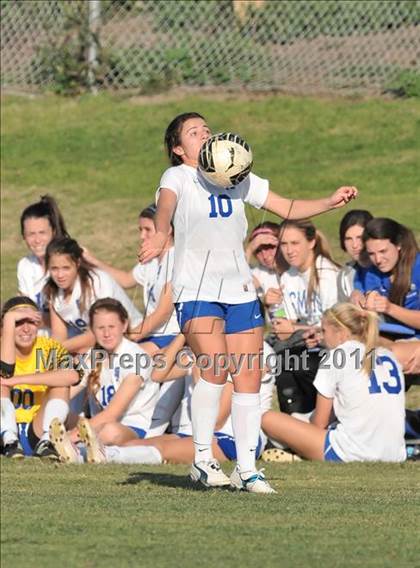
[
  {"x": 173, "y": 135},
  {"x": 45, "y": 208},
  {"x": 404, "y": 239},
  {"x": 362, "y": 325}
]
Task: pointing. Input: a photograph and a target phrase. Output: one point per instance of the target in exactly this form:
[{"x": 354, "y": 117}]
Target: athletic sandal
[
  {"x": 275, "y": 455},
  {"x": 255, "y": 483},
  {"x": 209, "y": 473},
  {"x": 94, "y": 448},
  {"x": 59, "y": 438}
]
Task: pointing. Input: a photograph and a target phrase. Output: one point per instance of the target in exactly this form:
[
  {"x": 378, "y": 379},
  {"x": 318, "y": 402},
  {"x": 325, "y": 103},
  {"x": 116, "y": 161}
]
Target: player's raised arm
[
  {"x": 165, "y": 209},
  {"x": 302, "y": 208}
]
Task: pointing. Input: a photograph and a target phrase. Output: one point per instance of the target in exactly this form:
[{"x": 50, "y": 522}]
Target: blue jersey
[{"x": 380, "y": 281}]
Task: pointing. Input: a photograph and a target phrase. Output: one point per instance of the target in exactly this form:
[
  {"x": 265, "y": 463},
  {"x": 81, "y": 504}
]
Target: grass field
[
  {"x": 324, "y": 515},
  {"x": 102, "y": 158}
]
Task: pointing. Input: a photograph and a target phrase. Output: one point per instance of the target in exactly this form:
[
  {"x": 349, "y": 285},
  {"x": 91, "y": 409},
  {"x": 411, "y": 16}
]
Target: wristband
[{"x": 7, "y": 370}]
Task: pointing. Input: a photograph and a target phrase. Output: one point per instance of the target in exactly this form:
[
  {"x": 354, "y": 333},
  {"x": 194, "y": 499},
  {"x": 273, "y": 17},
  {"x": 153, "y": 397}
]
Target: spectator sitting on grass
[
  {"x": 351, "y": 230},
  {"x": 73, "y": 286},
  {"x": 362, "y": 387},
  {"x": 40, "y": 223},
  {"x": 34, "y": 381},
  {"x": 391, "y": 286},
  {"x": 309, "y": 284},
  {"x": 160, "y": 325}
]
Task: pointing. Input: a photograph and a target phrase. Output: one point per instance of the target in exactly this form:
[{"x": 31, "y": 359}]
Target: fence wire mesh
[{"x": 260, "y": 45}]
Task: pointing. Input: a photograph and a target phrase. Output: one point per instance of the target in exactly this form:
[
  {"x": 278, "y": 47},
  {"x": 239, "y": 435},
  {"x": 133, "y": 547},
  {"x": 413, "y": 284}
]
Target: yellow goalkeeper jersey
[{"x": 46, "y": 355}]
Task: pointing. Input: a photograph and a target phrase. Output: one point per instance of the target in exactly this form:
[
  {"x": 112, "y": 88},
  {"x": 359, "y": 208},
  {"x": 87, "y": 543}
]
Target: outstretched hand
[{"x": 342, "y": 196}]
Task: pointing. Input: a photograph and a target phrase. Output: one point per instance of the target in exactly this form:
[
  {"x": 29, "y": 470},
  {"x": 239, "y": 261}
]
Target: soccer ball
[{"x": 225, "y": 159}]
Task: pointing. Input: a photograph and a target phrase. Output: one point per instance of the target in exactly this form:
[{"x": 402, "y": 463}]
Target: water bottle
[{"x": 277, "y": 311}]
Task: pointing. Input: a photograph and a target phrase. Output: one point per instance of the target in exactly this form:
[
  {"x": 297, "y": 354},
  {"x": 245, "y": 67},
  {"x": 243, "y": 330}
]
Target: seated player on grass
[
  {"x": 262, "y": 244},
  {"x": 121, "y": 396},
  {"x": 176, "y": 447},
  {"x": 351, "y": 230},
  {"x": 34, "y": 389},
  {"x": 362, "y": 385},
  {"x": 391, "y": 286},
  {"x": 160, "y": 325},
  {"x": 40, "y": 223},
  {"x": 309, "y": 285},
  {"x": 73, "y": 286}
]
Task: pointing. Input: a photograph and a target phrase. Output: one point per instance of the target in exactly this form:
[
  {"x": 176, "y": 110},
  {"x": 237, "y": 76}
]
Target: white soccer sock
[
  {"x": 246, "y": 424},
  {"x": 204, "y": 410},
  {"x": 133, "y": 454},
  {"x": 55, "y": 408},
  {"x": 9, "y": 429}
]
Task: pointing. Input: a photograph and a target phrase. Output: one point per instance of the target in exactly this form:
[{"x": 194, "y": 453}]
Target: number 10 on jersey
[{"x": 220, "y": 205}]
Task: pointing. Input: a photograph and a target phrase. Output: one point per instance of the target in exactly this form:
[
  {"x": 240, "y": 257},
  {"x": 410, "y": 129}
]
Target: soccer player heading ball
[{"x": 213, "y": 291}]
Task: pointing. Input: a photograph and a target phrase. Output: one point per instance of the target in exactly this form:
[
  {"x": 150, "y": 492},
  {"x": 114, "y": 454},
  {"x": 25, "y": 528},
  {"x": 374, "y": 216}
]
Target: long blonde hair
[
  {"x": 361, "y": 324},
  {"x": 321, "y": 248}
]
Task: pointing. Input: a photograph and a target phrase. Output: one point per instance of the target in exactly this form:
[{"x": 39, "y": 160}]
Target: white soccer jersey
[
  {"x": 31, "y": 279},
  {"x": 345, "y": 282},
  {"x": 154, "y": 276},
  {"x": 370, "y": 411},
  {"x": 210, "y": 229},
  {"x": 103, "y": 287},
  {"x": 295, "y": 289},
  {"x": 267, "y": 278},
  {"x": 128, "y": 359}
]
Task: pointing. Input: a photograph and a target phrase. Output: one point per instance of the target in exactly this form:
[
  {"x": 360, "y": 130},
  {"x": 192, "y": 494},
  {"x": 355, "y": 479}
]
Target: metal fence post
[{"x": 94, "y": 21}]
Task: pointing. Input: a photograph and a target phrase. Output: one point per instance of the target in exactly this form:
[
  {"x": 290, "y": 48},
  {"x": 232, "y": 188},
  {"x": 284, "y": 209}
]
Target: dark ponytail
[
  {"x": 45, "y": 208},
  {"x": 173, "y": 133}
]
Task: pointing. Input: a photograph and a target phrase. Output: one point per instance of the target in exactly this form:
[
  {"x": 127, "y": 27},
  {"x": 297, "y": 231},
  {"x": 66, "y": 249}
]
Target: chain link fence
[{"x": 151, "y": 45}]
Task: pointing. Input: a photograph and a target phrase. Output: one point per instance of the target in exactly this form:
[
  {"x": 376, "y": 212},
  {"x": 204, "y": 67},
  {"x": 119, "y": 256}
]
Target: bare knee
[
  {"x": 5, "y": 392},
  {"x": 59, "y": 392},
  {"x": 110, "y": 434},
  {"x": 248, "y": 381}
]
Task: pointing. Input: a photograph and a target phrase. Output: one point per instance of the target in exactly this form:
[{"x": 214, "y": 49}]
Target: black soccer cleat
[
  {"x": 46, "y": 451},
  {"x": 13, "y": 450}
]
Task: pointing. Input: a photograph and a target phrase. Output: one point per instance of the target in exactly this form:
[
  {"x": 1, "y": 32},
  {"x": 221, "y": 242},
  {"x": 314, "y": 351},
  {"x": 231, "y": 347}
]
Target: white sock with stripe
[{"x": 148, "y": 455}]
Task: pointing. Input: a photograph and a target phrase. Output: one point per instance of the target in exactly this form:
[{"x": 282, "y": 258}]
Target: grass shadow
[{"x": 163, "y": 480}]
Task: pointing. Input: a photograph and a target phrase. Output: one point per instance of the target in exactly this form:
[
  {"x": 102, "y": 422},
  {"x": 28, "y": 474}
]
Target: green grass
[
  {"x": 103, "y": 157},
  {"x": 325, "y": 515}
]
